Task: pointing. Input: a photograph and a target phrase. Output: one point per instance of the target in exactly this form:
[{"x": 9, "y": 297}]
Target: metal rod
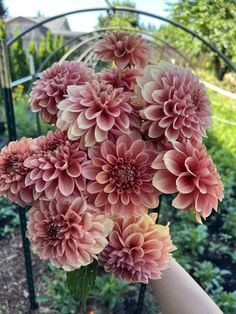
[
  {"x": 141, "y": 296},
  {"x": 28, "y": 262},
  {"x": 12, "y": 134}
]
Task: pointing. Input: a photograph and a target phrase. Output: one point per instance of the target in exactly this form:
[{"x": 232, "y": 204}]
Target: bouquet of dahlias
[{"x": 123, "y": 137}]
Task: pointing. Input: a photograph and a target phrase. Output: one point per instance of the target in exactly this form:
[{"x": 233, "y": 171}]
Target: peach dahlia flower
[
  {"x": 138, "y": 249},
  {"x": 177, "y": 105},
  {"x": 13, "y": 171},
  {"x": 91, "y": 111},
  {"x": 55, "y": 170},
  {"x": 188, "y": 170},
  {"x": 124, "y": 49},
  {"x": 50, "y": 89},
  {"x": 120, "y": 176},
  {"x": 69, "y": 235}
]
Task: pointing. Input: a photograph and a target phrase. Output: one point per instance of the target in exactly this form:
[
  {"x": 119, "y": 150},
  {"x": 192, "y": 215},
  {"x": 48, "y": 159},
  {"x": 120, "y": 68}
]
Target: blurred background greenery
[{"x": 207, "y": 251}]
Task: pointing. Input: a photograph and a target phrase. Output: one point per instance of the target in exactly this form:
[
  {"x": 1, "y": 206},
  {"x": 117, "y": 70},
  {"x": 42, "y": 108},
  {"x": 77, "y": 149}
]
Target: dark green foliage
[
  {"x": 33, "y": 51},
  {"x": 8, "y": 217},
  {"x": 2, "y": 29},
  {"x": 227, "y": 301},
  {"x": 108, "y": 289},
  {"x": 111, "y": 290},
  {"x": 49, "y": 45},
  {"x": 213, "y": 20},
  {"x": 25, "y": 118},
  {"x": 210, "y": 276},
  {"x": 18, "y": 60},
  {"x": 56, "y": 293},
  {"x": 81, "y": 282}
]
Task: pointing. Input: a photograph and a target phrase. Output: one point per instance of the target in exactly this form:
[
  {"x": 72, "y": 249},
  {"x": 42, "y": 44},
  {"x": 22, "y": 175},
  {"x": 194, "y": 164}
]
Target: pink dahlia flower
[
  {"x": 69, "y": 235},
  {"x": 50, "y": 89},
  {"x": 55, "y": 170},
  {"x": 177, "y": 105},
  {"x": 93, "y": 110},
  {"x": 121, "y": 176},
  {"x": 188, "y": 170},
  {"x": 125, "y": 78},
  {"x": 13, "y": 171},
  {"x": 138, "y": 249},
  {"x": 124, "y": 49}
]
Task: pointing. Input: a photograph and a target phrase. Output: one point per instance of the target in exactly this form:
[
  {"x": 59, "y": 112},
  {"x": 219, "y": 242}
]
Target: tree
[
  {"x": 2, "y": 29},
  {"x": 48, "y": 45},
  {"x": 120, "y": 19},
  {"x": 214, "y": 20},
  {"x": 3, "y": 11},
  {"x": 33, "y": 51},
  {"x": 18, "y": 60},
  {"x": 58, "y": 41}
]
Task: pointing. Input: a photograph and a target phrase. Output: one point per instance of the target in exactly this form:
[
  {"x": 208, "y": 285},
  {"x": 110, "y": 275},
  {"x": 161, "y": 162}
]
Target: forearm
[{"x": 178, "y": 293}]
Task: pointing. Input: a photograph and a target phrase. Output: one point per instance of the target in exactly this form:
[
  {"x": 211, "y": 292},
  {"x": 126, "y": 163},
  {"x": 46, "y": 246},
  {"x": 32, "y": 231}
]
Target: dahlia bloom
[
  {"x": 138, "y": 249},
  {"x": 69, "y": 235},
  {"x": 13, "y": 171},
  {"x": 50, "y": 89},
  {"x": 177, "y": 105},
  {"x": 120, "y": 176},
  {"x": 55, "y": 170},
  {"x": 93, "y": 110},
  {"x": 124, "y": 49},
  {"x": 188, "y": 170},
  {"x": 125, "y": 78}
]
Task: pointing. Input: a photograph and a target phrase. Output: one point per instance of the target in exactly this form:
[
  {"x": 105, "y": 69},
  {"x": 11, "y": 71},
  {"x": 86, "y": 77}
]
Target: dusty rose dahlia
[
  {"x": 92, "y": 110},
  {"x": 69, "y": 235},
  {"x": 55, "y": 170},
  {"x": 188, "y": 170},
  {"x": 177, "y": 105},
  {"x": 124, "y": 49},
  {"x": 50, "y": 89},
  {"x": 138, "y": 249},
  {"x": 125, "y": 78},
  {"x": 13, "y": 171},
  {"x": 121, "y": 176}
]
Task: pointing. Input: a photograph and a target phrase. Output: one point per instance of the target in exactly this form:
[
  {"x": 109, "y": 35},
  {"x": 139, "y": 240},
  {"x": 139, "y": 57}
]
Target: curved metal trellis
[
  {"x": 70, "y": 41},
  {"x": 131, "y": 10},
  {"x": 87, "y": 54}
]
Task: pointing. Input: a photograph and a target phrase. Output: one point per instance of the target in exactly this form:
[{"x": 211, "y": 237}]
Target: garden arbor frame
[{"x": 6, "y": 86}]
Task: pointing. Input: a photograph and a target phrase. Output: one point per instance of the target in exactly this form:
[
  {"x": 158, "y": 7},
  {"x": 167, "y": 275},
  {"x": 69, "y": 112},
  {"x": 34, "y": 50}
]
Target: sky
[{"x": 84, "y": 22}]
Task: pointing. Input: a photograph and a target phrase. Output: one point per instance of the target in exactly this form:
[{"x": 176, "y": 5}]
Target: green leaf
[
  {"x": 42, "y": 298},
  {"x": 81, "y": 281}
]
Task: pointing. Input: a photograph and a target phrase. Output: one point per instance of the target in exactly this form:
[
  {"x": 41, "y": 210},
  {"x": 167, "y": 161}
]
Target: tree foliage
[
  {"x": 3, "y": 12},
  {"x": 119, "y": 19},
  {"x": 2, "y": 29},
  {"x": 19, "y": 54},
  {"x": 214, "y": 20},
  {"x": 2, "y": 9},
  {"x": 18, "y": 59}
]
